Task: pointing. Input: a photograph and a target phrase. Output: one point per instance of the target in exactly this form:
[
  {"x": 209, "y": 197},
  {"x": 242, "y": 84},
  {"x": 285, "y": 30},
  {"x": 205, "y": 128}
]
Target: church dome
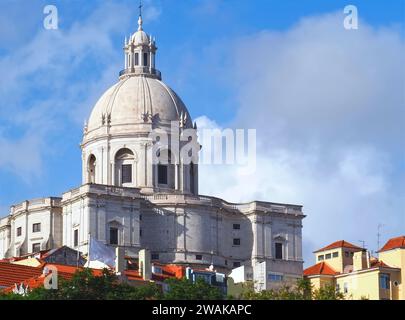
[
  {"x": 140, "y": 101},
  {"x": 134, "y": 101}
]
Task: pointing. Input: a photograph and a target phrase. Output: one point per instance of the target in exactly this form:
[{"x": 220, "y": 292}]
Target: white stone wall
[
  {"x": 46, "y": 212},
  {"x": 144, "y": 172},
  {"x": 4, "y": 237},
  {"x": 93, "y": 209}
]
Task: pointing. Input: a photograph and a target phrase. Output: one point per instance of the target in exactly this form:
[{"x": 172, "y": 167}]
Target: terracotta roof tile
[
  {"x": 321, "y": 268},
  {"x": 394, "y": 243},
  {"x": 11, "y": 274},
  {"x": 339, "y": 244}
]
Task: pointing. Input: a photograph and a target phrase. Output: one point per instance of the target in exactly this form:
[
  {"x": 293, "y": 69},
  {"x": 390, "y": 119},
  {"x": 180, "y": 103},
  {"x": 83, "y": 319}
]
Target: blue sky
[{"x": 218, "y": 55}]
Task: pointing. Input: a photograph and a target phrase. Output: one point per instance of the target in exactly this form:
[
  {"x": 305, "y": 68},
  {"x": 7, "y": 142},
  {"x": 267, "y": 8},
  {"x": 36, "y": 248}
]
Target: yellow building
[{"x": 357, "y": 275}]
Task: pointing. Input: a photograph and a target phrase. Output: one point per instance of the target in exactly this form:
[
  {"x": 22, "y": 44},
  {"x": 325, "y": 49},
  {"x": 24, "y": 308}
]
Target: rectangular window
[
  {"x": 236, "y": 264},
  {"x": 162, "y": 174},
  {"x": 126, "y": 174},
  {"x": 114, "y": 236},
  {"x": 145, "y": 59},
  {"x": 385, "y": 281},
  {"x": 279, "y": 250},
  {"x": 236, "y": 242},
  {"x": 321, "y": 257},
  {"x": 36, "y": 227},
  {"x": 137, "y": 59},
  {"x": 236, "y": 226},
  {"x": 76, "y": 238},
  {"x": 328, "y": 256},
  {"x": 335, "y": 254},
  {"x": 36, "y": 247},
  {"x": 19, "y": 231},
  {"x": 140, "y": 232},
  {"x": 154, "y": 256},
  {"x": 198, "y": 257},
  {"x": 275, "y": 277}
]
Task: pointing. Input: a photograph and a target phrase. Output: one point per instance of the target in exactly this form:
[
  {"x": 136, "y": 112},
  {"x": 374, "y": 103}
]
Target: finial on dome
[{"x": 140, "y": 21}]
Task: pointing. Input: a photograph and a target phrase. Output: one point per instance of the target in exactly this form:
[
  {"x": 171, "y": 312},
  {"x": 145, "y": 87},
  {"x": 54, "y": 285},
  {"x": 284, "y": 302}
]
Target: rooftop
[
  {"x": 339, "y": 244},
  {"x": 394, "y": 243}
]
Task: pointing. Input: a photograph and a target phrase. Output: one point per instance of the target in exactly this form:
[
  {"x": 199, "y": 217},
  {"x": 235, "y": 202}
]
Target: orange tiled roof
[
  {"x": 11, "y": 274},
  {"x": 321, "y": 268},
  {"x": 394, "y": 243},
  {"x": 339, "y": 244}
]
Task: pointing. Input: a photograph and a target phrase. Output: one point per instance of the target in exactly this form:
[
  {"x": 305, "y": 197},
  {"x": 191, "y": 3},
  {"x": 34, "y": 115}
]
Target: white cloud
[
  {"x": 329, "y": 107},
  {"x": 49, "y": 65}
]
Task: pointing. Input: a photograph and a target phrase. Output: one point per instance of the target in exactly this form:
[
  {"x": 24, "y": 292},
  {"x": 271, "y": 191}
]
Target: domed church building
[{"x": 139, "y": 194}]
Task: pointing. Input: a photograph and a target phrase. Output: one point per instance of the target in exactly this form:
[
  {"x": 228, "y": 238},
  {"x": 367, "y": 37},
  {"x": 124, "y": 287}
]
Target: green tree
[{"x": 187, "y": 290}]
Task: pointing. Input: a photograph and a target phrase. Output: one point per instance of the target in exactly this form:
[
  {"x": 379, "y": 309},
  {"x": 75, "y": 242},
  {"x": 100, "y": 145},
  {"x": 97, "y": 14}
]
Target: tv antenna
[{"x": 380, "y": 225}]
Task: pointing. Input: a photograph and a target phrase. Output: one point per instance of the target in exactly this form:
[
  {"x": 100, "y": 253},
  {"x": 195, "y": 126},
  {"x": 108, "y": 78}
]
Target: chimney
[
  {"x": 361, "y": 260},
  {"x": 145, "y": 268},
  {"x": 120, "y": 263}
]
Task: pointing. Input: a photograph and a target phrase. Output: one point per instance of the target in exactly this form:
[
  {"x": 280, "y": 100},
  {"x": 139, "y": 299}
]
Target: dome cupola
[{"x": 140, "y": 52}]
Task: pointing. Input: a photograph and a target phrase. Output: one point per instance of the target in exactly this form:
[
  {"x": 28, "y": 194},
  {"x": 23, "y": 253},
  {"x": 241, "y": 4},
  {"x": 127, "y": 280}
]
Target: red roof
[
  {"x": 340, "y": 244},
  {"x": 11, "y": 274},
  {"x": 321, "y": 268},
  {"x": 394, "y": 243}
]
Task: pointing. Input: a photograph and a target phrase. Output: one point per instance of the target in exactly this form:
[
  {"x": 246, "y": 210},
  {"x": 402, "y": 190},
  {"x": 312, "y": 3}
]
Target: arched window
[
  {"x": 124, "y": 160},
  {"x": 91, "y": 169}
]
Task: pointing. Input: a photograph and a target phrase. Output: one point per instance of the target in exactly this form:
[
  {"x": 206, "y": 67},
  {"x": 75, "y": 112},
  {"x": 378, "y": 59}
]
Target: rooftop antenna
[
  {"x": 379, "y": 235},
  {"x": 363, "y": 243}
]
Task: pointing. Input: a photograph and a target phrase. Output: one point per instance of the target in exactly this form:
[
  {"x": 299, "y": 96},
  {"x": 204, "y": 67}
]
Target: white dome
[
  {"x": 140, "y": 38},
  {"x": 131, "y": 103}
]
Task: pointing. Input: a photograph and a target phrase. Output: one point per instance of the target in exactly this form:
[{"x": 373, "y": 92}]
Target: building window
[
  {"x": 346, "y": 254},
  {"x": 279, "y": 250},
  {"x": 162, "y": 174},
  {"x": 126, "y": 173},
  {"x": 385, "y": 281},
  {"x": 236, "y": 242},
  {"x": 345, "y": 288},
  {"x": 36, "y": 247},
  {"x": 321, "y": 257},
  {"x": 36, "y": 227},
  {"x": 236, "y": 264},
  {"x": 137, "y": 59},
  {"x": 328, "y": 256},
  {"x": 236, "y": 226},
  {"x": 154, "y": 256},
  {"x": 226, "y": 262},
  {"x": 275, "y": 277},
  {"x": 145, "y": 59},
  {"x": 335, "y": 254},
  {"x": 76, "y": 238},
  {"x": 351, "y": 254},
  {"x": 19, "y": 231},
  {"x": 114, "y": 236},
  {"x": 198, "y": 257},
  {"x": 140, "y": 232},
  {"x": 192, "y": 178}
]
